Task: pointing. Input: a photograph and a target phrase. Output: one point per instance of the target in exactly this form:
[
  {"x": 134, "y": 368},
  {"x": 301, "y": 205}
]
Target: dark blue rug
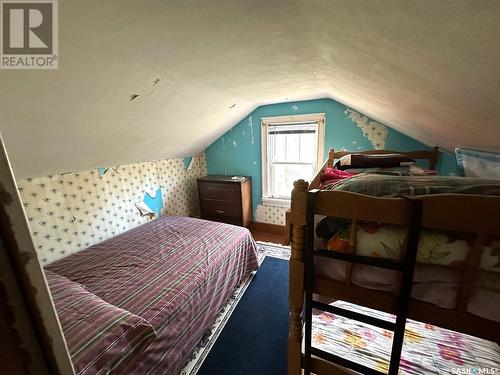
[{"x": 254, "y": 340}]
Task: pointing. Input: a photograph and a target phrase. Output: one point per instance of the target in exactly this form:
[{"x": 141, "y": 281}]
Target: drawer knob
[{"x": 220, "y": 211}]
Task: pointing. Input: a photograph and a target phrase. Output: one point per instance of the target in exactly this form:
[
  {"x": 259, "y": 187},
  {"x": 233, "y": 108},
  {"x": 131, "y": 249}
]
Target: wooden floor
[{"x": 267, "y": 237}]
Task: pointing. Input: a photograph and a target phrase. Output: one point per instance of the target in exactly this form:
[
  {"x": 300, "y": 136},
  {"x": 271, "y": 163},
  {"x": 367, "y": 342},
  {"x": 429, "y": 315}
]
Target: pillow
[
  {"x": 417, "y": 171},
  {"x": 482, "y": 168},
  {"x": 372, "y": 161},
  {"x": 99, "y": 335}
]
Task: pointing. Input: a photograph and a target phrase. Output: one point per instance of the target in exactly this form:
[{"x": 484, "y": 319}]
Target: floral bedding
[
  {"x": 427, "y": 349},
  {"x": 443, "y": 248},
  {"x": 438, "y": 248}
]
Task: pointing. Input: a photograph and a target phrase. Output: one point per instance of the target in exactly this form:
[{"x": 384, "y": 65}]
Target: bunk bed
[{"x": 478, "y": 215}]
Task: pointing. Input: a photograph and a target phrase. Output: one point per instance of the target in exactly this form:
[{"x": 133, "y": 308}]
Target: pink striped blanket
[{"x": 143, "y": 300}]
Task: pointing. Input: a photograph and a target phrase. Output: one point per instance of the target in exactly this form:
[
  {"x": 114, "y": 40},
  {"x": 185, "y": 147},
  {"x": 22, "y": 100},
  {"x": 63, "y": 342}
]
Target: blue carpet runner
[{"x": 254, "y": 340}]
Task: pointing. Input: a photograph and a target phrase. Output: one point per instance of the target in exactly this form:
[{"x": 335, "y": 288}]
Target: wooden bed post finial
[
  {"x": 296, "y": 276},
  {"x": 331, "y": 157},
  {"x": 300, "y": 184},
  {"x": 299, "y": 202},
  {"x": 434, "y": 158}
]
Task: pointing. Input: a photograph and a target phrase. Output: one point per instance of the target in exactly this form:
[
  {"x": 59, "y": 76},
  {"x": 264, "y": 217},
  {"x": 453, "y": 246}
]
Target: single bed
[
  {"x": 371, "y": 274},
  {"x": 139, "y": 303}
]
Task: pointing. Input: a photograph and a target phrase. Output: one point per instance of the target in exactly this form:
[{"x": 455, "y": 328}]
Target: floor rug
[
  {"x": 254, "y": 340},
  {"x": 203, "y": 350}
]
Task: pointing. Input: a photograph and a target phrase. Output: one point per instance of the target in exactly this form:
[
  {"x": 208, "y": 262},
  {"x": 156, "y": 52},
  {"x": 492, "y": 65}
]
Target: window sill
[{"x": 276, "y": 202}]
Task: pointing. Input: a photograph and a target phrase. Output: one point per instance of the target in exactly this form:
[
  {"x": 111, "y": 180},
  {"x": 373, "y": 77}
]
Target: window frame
[{"x": 318, "y": 118}]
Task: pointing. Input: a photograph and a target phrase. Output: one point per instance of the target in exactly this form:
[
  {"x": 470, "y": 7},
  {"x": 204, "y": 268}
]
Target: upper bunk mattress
[
  {"x": 383, "y": 185},
  {"x": 174, "y": 272}
]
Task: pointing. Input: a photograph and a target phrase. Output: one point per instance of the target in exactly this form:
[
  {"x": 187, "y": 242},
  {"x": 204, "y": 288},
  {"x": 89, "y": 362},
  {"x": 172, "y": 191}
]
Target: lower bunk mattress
[
  {"x": 140, "y": 302},
  {"x": 438, "y": 276},
  {"x": 441, "y": 256},
  {"x": 427, "y": 349}
]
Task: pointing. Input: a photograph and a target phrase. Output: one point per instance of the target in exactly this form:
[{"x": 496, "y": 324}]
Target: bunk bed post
[
  {"x": 331, "y": 157},
  {"x": 434, "y": 158},
  {"x": 296, "y": 276}
]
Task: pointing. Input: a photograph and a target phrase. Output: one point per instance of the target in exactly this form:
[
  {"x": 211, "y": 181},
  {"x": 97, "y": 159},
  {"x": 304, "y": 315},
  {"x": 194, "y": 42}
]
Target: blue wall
[
  {"x": 447, "y": 164},
  {"x": 238, "y": 151}
]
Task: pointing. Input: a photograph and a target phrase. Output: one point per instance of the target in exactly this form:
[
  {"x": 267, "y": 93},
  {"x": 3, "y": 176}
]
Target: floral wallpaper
[
  {"x": 270, "y": 214},
  {"x": 373, "y": 130},
  {"x": 72, "y": 211}
]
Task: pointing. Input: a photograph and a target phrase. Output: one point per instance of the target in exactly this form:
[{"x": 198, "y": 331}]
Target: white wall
[{"x": 427, "y": 68}]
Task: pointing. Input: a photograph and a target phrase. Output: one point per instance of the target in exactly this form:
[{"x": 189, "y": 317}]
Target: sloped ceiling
[{"x": 428, "y": 68}]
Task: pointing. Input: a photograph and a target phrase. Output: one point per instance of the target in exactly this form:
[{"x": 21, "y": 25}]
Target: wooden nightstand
[{"x": 225, "y": 199}]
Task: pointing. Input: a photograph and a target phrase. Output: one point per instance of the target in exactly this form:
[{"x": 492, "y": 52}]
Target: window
[{"x": 292, "y": 149}]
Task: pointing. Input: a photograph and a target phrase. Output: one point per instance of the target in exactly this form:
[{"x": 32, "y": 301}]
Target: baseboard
[{"x": 269, "y": 228}]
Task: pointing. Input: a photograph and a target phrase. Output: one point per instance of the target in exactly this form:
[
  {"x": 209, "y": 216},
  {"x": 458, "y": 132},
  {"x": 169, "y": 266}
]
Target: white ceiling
[{"x": 428, "y": 68}]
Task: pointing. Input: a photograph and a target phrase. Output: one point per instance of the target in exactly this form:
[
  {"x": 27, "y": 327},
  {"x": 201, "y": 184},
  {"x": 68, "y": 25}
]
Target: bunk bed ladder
[{"x": 405, "y": 266}]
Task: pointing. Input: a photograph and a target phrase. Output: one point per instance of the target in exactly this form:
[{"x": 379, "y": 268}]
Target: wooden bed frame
[
  {"x": 430, "y": 156},
  {"x": 442, "y": 212}
]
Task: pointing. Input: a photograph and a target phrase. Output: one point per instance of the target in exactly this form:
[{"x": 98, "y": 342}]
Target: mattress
[
  {"x": 441, "y": 256},
  {"x": 427, "y": 349},
  {"x": 386, "y": 185},
  {"x": 174, "y": 273}
]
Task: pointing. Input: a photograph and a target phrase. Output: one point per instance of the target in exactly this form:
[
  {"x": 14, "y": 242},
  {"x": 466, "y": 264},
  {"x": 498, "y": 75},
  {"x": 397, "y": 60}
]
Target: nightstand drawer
[
  {"x": 219, "y": 207},
  {"x": 226, "y": 199},
  {"x": 230, "y": 192}
]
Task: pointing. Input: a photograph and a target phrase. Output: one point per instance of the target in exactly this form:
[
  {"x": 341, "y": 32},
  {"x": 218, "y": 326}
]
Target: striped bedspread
[
  {"x": 175, "y": 273},
  {"x": 98, "y": 334}
]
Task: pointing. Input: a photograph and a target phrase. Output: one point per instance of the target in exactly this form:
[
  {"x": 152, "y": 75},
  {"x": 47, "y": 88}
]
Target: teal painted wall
[
  {"x": 238, "y": 151},
  {"x": 447, "y": 164}
]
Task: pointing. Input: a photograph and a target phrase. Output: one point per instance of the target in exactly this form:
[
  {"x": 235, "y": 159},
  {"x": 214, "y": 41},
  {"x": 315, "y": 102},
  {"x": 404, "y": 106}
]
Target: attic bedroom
[{"x": 250, "y": 187}]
